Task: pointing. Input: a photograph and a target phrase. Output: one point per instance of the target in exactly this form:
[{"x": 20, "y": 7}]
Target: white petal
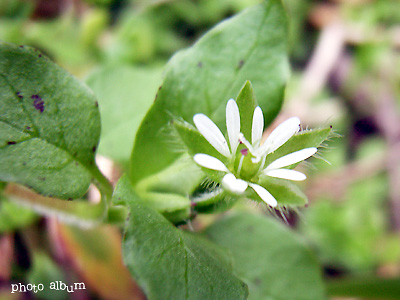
[
  {"x": 231, "y": 183},
  {"x": 211, "y": 133},
  {"x": 233, "y": 124},
  {"x": 264, "y": 194},
  {"x": 286, "y": 174},
  {"x": 257, "y": 127},
  {"x": 292, "y": 158},
  {"x": 210, "y": 162},
  {"x": 281, "y": 134}
]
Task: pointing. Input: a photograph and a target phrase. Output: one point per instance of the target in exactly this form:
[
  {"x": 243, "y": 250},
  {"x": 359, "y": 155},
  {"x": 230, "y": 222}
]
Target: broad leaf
[
  {"x": 125, "y": 94},
  {"x": 274, "y": 262},
  {"x": 172, "y": 264},
  {"x": 49, "y": 125},
  {"x": 250, "y": 46}
]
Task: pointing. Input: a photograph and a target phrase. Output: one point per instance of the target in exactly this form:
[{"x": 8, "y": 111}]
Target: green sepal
[
  {"x": 304, "y": 139},
  {"x": 196, "y": 143},
  {"x": 194, "y": 140},
  {"x": 246, "y": 102},
  {"x": 284, "y": 191}
]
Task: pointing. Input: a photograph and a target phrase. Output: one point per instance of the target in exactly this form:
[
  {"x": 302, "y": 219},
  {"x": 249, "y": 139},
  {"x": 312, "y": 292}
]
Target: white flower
[
  {"x": 230, "y": 182},
  {"x": 259, "y": 151}
]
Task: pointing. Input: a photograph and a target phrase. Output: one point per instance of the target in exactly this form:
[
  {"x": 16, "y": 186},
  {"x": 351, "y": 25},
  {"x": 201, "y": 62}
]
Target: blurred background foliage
[{"x": 345, "y": 73}]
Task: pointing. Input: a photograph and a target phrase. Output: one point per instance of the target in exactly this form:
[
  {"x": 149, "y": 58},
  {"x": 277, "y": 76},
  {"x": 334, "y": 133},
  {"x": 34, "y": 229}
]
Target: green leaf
[
  {"x": 169, "y": 263},
  {"x": 274, "y": 262},
  {"x": 303, "y": 139},
  {"x": 250, "y": 46},
  {"x": 246, "y": 102},
  {"x": 49, "y": 125},
  {"x": 125, "y": 94}
]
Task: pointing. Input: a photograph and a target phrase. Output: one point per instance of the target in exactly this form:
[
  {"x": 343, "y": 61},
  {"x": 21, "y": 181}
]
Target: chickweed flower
[{"x": 245, "y": 161}]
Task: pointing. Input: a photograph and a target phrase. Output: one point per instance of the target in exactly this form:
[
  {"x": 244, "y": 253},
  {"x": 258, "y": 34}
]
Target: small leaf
[
  {"x": 171, "y": 264},
  {"x": 272, "y": 260},
  {"x": 49, "y": 125},
  {"x": 246, "y": 102},
  {"x": 249, "y": 46}
]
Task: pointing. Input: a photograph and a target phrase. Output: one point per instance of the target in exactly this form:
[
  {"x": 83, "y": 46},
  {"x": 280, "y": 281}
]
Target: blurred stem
[
  {"x": 78, "y": 212},
  {"x": 104, "y": 186},
  {"x": 365, "y": 287}
]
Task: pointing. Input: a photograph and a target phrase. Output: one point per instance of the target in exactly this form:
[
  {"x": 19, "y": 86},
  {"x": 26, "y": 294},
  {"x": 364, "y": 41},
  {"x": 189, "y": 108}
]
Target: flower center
[{"x": 244, "y": 167}]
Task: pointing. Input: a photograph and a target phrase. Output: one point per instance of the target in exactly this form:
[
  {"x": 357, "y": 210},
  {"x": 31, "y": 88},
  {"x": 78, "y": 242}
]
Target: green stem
[
  {"x": 103, "y": 185},
  {"x": 365, "y": 287},
  {"x": 77, "y": 212}
]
